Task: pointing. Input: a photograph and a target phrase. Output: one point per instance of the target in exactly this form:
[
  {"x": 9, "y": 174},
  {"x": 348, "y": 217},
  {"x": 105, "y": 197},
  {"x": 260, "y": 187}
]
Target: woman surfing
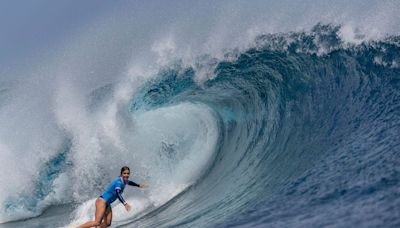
[{"x": 103, "y": 213}]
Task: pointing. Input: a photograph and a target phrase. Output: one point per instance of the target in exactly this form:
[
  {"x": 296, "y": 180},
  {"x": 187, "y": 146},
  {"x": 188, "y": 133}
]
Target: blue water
[
  {"x": 305, "y": 139},
  {"x": 308, "y": 135}
]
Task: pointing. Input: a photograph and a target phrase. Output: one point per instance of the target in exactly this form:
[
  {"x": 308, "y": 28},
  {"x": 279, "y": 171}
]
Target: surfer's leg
[
  {"x": 107, "y": 218},
  {"x": 99, "y": 214}
]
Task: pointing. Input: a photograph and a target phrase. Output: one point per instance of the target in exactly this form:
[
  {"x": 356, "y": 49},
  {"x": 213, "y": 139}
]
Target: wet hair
[{"x": 124, "y": 168}]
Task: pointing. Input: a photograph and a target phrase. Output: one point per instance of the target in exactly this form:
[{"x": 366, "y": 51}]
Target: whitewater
[{"x": 235, "y": 113}]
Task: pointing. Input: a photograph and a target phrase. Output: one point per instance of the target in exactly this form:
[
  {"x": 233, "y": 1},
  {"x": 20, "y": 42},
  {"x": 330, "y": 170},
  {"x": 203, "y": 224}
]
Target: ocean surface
[{"x": 281, "y": 128}]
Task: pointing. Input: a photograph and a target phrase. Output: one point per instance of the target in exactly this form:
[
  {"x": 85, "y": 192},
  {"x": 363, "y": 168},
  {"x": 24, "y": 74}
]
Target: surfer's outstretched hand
[
  {"x": 143, "y": 185},
  {"x": 127, "y": 207}
]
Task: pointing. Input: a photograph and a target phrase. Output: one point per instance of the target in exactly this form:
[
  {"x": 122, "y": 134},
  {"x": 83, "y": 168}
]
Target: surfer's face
[{"x": 125, "y": 174}]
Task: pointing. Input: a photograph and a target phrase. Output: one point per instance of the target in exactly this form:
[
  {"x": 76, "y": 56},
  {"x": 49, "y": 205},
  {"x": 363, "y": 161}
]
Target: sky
[
  {"x": 28, "y": 26},
  {"x": 42, "y": 32}
]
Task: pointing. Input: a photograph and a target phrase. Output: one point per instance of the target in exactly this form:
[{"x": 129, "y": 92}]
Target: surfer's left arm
[{"x": 136, "y": 185}]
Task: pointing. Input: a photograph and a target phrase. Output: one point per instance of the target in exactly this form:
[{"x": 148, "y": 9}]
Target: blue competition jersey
[{"x": 115, "y": 189}]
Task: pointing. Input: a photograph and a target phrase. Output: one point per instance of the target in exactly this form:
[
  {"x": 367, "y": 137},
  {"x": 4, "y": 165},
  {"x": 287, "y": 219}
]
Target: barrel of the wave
[{"x": 103, "y": 212}]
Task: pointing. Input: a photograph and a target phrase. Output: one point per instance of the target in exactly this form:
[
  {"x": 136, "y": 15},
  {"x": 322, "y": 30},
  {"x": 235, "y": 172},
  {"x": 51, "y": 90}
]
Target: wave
[
  {"x": 299, "y": 129},
  {"x": 307, "y": 137}
]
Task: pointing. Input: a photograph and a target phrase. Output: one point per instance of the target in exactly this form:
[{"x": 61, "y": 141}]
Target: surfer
[{"x": 103, "y": 214}]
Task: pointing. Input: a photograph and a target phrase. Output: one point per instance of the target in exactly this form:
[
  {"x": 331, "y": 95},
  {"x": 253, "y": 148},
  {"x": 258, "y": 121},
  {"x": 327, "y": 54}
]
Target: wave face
[
  {"x": 304, "y": 140},
  {"x": 275, "y": 128}
]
